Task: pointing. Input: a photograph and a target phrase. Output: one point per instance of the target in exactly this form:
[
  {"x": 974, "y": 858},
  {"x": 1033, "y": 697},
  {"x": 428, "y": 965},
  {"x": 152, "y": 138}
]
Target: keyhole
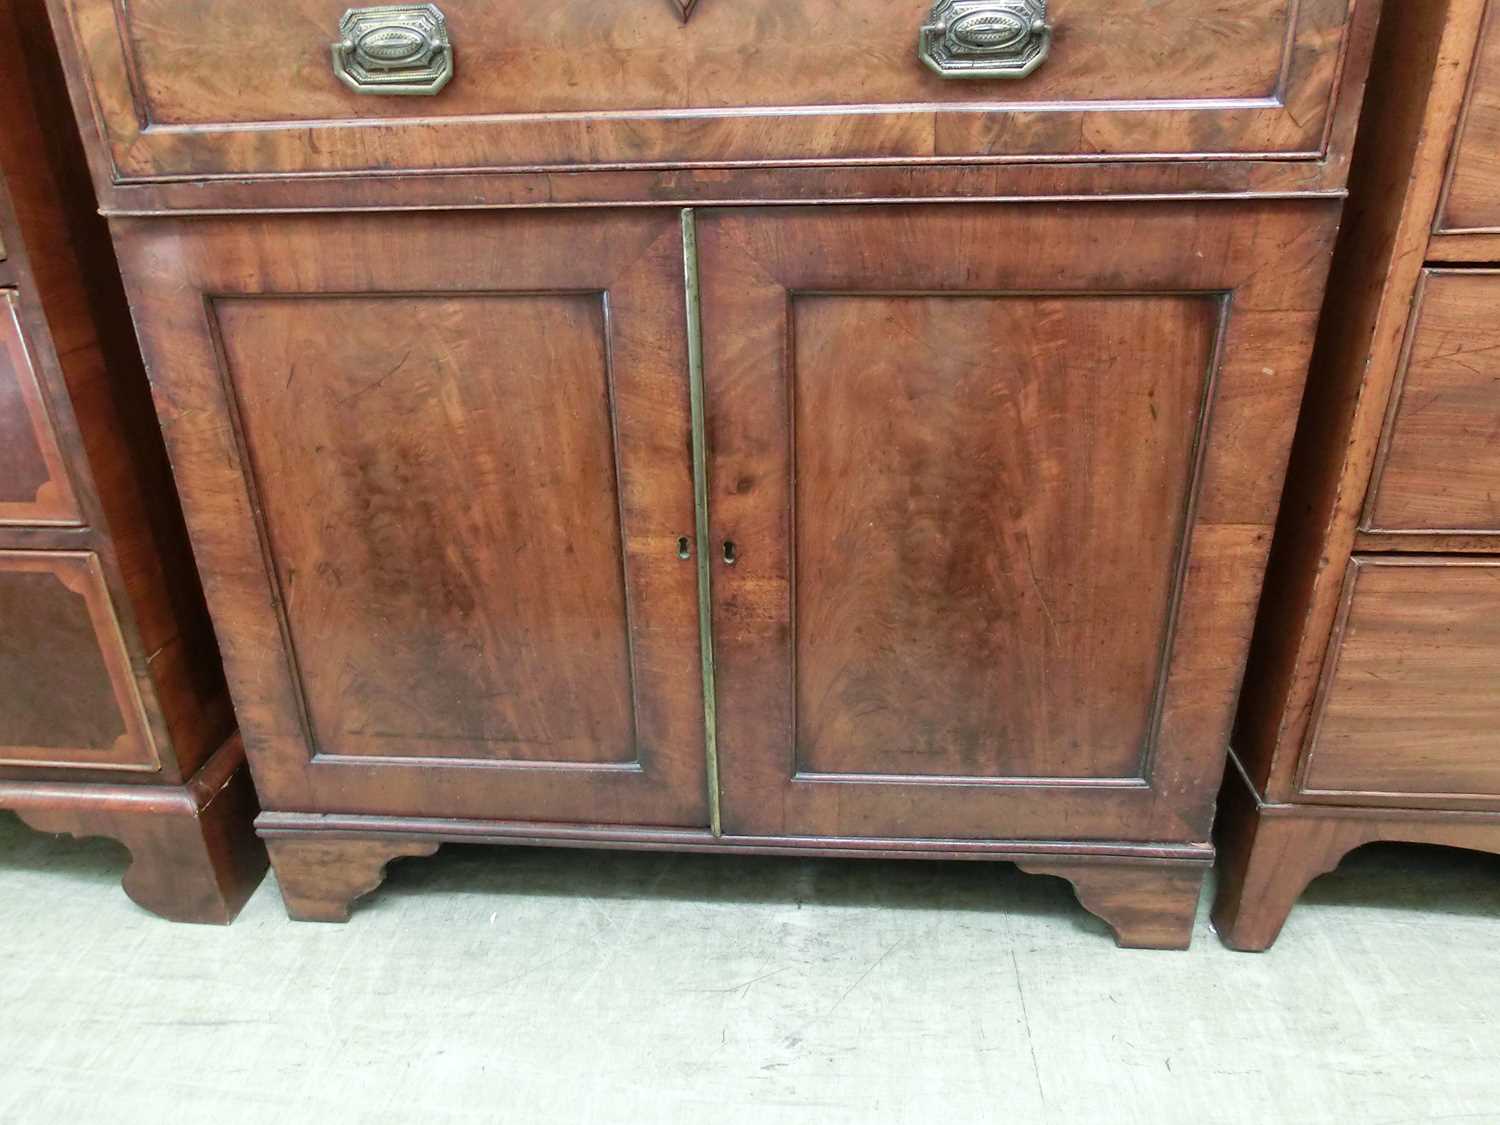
[
  {"x": 729, "y": 552},
  {"x": 684, "y": 548}
]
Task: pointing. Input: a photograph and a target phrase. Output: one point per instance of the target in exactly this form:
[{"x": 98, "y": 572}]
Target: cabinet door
[
  {"x": 991, "y": 490},
  {"x": 437, "y": 469}
]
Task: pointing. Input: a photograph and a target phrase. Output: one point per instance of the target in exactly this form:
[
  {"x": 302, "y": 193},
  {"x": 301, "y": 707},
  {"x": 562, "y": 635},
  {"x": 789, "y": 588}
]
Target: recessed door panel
[
  {"x": 969, "y": 599},
  {"x": 437, "y": 477}
]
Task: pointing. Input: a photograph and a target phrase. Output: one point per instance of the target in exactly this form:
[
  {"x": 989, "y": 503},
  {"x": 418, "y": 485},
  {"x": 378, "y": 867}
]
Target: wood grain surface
[
  {"x": 969, "y": 599},
  {"x": 437, "y": 469},
  {"x": 437, "y": 484},
  {"x": 1269, "y": 853},
  {"x": 955, "y": 447},
  {"x": 1472, "y": 202},
  {"x": 1439, "y": 464},
  {"x": 194, "y": 856},
  {"x": 580, "y": 84},
  {"x": 1410, "y": 699},
  {"x": 1419, "y": 79}
]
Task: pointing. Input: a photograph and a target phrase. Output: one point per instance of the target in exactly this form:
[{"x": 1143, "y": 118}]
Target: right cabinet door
[{"x": 990, "y": 490}]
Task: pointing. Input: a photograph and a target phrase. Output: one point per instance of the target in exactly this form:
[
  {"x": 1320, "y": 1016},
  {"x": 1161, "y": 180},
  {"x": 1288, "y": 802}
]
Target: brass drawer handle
[
  {"x": 985, "y": 38},
  {"x": 394, "y": 49}
]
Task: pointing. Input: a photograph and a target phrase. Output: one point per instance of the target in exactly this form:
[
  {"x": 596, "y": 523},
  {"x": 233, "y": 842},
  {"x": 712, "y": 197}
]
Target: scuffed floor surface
[{"x": 518, "y": 985}]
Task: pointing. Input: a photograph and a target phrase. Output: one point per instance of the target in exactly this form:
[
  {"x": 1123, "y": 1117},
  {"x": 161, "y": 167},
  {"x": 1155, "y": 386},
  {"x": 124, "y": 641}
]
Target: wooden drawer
[
  {"x": 190, "y": 88},
  {"x": 1410, "y": 700},
  {"x": 34, "y": 487},
  {"x": 1439, "y": 462},
  {"x": 69, "y": 698},
  {"x": 1471, "y": 204}
]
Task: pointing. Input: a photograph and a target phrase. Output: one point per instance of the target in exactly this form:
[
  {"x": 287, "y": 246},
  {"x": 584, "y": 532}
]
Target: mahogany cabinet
[
  {"x": 630, "y": 440},
  {"x": 1373, "y": 702},
  {"x": 114, "y": 717}
]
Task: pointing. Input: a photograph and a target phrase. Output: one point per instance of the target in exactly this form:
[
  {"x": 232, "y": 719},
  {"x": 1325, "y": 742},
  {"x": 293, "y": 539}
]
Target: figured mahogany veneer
[
  {"x": 462, "y": 443},
  {"x": 114, "y": 716},
  {"x": 200, "y": 88},
  {"x": 531, "y": 509},
  {"x": 70, "y": 698},
  {"x": 938, "y": 620},
  {"x": 1370, "y": 707}
]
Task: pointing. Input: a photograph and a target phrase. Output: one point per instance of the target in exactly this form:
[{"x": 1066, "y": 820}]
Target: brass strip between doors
[{"x": 700, "y": 510}]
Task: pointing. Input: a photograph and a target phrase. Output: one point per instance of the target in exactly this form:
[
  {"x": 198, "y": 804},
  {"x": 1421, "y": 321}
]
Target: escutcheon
[
  {"x": 985, "y": 38},
  {"x": 394, "y": 49}
]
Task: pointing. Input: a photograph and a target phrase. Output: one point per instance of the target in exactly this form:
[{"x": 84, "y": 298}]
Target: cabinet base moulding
[
  {"x": 1146, "y": 893},
  {"x": 1271, "y": 852},
  {"x": 193, "y": 854}
]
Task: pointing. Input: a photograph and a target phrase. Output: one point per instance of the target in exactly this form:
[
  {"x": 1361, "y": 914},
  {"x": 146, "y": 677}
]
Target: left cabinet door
[{"x": 437, "y": 471}]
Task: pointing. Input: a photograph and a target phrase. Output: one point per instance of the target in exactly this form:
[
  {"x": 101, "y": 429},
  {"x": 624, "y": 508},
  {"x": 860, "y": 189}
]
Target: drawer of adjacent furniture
[
  {"x": 223, "y": 87},
  {"x": 1471, "y": 203},
  {"x": 1438, "y": 469},
  {"x": 1409, "y": 705},
  {"x": 34, "y": 487},
  {"x": 69, "y": 697}
]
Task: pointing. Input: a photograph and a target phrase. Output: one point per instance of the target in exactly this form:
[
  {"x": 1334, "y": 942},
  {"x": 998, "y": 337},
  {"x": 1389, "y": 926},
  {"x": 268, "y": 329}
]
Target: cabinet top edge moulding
[{"x": 272, "y": 106}]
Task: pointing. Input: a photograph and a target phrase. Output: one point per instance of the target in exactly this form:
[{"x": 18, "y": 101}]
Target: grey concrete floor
[{"x": 518, "y": 985}]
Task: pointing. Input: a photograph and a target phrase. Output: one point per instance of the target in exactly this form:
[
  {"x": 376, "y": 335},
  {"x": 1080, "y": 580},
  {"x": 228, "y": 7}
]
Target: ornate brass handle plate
[
  {"x": 394, "y": 49},
  {"x": 985, "y": 38}
]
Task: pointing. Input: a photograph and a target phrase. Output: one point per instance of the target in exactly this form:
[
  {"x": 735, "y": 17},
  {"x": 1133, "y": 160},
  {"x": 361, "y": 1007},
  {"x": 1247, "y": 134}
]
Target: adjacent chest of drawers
[
  {"x": 114, "y": 718},
  {"x": 761, "y": 426},
  {"x": 1373, "y": 709}
]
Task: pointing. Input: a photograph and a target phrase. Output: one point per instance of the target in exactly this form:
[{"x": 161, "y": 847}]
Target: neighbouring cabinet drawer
[
  {"x": 34, "y": 486},
  {"x": 1439, "y": 464},
  {"x": 1472, "y": 202},
  {"x": 1410, "y": 699},
  {"x": 69, "y": 698},
  {"x": 222, "y": 87}
]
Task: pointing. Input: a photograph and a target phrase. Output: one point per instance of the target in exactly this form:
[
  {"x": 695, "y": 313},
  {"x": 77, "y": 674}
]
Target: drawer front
[
  {"x": 1410, "y": 700},
  {"x": 34, "y": 486},
  {"x": 222, "y": 87},
  {"x": 1472, "y": 202},
  {"x": 69, "y": 699},
  {"x": 1439, "y": 465}
]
